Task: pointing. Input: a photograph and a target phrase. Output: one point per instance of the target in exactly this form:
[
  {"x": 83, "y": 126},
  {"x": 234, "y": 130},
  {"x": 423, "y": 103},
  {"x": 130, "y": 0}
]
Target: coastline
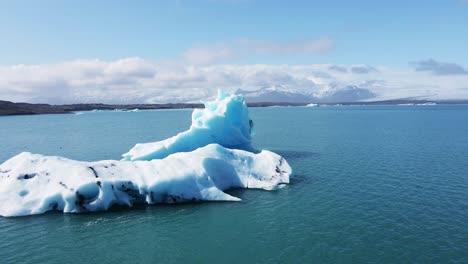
[{"x": 8, "y": 108}]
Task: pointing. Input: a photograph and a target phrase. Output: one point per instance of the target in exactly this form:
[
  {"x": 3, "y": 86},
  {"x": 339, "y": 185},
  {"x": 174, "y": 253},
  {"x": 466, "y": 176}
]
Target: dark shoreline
[{"x": 10, "y": 108}]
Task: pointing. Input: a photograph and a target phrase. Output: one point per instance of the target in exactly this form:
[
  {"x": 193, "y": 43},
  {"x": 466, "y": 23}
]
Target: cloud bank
[{"x": 136, "y": 80}]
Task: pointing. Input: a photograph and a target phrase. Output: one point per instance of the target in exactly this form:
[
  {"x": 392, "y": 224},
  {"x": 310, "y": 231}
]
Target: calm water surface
[{"x": 373, "y": 184}]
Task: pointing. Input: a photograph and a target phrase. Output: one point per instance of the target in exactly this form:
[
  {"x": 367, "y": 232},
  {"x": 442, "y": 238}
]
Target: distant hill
[{"x": 10, "y": 108}]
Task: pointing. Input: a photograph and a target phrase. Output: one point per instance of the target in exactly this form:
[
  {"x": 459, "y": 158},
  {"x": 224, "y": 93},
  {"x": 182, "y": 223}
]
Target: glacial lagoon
[{"x": 370, "y": 184}]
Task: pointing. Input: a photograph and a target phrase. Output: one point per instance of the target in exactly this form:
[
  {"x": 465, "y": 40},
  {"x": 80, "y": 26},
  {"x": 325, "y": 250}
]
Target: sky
[{"x": 159, "y": 51}]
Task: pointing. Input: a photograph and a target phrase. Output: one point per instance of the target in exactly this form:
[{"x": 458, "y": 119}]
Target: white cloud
[
  {"x": 439, "y": 68},
  {"x": 208, "y": 55},
  {"x": 222, "y": 52},
  {"x": 135, "y": 80},
  {"x": 306, "y": 46},
  {"x": 362, "y": 69},
  {"x": 131, "y": 67}
]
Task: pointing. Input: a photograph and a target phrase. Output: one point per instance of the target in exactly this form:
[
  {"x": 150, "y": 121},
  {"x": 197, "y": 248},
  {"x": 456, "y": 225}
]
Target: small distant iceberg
[
  {"x": 213, "y": 155},
  {"x": 418, "y": 104},
  {"x": 312, "y": 105},
  {"x": 126, "y": 110}
]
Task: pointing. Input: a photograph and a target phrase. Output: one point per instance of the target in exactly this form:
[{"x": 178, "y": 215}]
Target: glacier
[{"x": 214, "y": 155}]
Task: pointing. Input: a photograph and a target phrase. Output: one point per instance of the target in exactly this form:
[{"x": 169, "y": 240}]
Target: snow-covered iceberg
[
  {"x": 214, "y": 155},
  {"x": 224, "y": 121}
]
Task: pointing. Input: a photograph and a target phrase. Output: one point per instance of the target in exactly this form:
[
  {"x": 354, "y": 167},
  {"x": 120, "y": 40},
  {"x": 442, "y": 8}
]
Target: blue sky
[
  {"x": 370, "y": 32},
  {"x": 405, "y": 42}
]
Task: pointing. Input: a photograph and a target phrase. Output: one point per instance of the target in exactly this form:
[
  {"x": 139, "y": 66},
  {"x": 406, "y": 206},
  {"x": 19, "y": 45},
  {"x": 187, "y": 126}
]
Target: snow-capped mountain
[
  {"x": 275, "y": 94},
  {"x": 329, "y": 94},
  {"x": 349, "y": 93}
]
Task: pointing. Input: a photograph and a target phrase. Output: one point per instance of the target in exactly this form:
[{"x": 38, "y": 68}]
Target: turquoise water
[{"x": 371, "y": 184}]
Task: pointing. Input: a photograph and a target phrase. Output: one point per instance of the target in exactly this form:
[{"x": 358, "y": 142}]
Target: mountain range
[{"x": 333, "y": 94}]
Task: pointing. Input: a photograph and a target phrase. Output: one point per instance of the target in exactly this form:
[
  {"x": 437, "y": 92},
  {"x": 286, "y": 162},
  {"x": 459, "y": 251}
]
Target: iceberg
[
  {"x": 214, "y": 155},
  {"x": 224, "y": 121}
]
